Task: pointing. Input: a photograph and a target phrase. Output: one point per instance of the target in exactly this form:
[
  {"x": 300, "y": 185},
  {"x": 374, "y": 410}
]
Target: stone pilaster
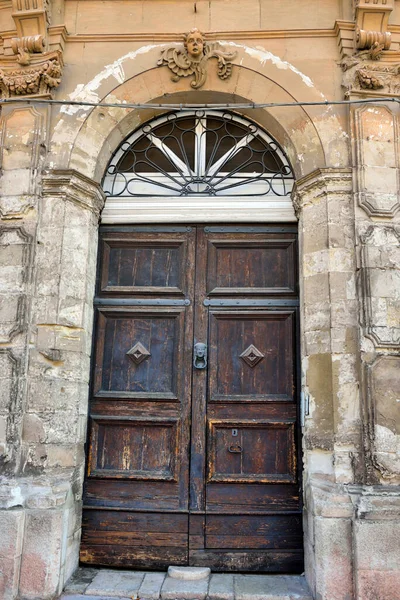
[
  {"x": 52, "y": 413},
  {"x": 377, "y": 202},
  {"x": 329, "y": 323},
  {"x": 330, "y": 364}
]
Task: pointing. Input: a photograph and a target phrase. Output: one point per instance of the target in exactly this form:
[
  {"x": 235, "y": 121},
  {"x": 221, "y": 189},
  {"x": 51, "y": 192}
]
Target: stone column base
[
  {"x": 40, "y": 536},
  {"x": 352, "y": 546}
]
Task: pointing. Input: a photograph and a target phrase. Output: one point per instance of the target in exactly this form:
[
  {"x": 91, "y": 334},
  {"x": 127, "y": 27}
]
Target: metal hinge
[
  {"x": 146, "y": 228},
  {"x": 249, "y": 303},
  {"x": 304, "y": 407},
  {"x": 250, "y": 229},
  {"x": 142, "y": 302}
]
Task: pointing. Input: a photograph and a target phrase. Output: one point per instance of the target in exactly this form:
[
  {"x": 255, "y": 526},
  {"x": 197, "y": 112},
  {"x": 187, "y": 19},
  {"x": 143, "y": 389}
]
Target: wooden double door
[{"x": 193, "y": 438}]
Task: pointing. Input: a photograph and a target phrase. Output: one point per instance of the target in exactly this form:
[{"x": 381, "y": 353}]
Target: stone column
[
  {"x": 330, "y": 381},
  {"x": 42, "y": 502}
]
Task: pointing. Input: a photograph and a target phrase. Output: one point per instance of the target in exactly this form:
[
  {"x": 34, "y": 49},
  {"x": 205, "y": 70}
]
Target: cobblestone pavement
[{"x": 107, "y": 584}]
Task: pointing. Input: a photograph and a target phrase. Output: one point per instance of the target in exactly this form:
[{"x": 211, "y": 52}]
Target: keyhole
[{"x": 234, "y": 432}]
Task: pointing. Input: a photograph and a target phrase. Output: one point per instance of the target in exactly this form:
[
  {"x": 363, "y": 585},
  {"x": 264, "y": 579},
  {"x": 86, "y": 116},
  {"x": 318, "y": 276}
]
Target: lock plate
[{"x": 235, "y": 449}]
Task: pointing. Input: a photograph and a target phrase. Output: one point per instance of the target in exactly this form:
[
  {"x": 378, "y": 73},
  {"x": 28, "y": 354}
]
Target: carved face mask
[{"x": 195, "y": 44}]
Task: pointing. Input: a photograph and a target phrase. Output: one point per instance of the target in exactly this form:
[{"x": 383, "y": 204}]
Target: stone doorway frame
[
  {"x": 57, "y": 235},
  {"x": 328, "y": 510}
]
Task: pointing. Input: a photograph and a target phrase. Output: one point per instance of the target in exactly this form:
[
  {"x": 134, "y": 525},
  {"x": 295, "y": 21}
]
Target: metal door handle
[
  {"x": 200, "y": 356},
  {"x": 235, "y": 449}
]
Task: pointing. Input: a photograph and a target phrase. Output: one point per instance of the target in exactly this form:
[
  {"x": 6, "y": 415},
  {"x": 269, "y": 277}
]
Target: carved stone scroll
[
  {"x": 193, "y": 59},
  {"x": 25, "y": 46},
  {"x": 371, "y": 24},
  {"x": 368, "y": 39},
  {"x": 372, "y": 18}
]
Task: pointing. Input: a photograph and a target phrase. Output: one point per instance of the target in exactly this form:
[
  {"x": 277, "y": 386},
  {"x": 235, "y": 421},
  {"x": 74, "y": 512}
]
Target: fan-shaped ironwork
[{"x": 199, "y": 154}]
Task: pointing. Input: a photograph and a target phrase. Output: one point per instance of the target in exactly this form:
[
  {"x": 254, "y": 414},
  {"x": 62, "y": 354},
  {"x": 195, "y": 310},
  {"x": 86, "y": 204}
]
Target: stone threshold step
[{"x": 109, "y": 584}]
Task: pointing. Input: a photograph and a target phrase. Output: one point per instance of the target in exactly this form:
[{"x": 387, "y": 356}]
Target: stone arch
[
  {"x": 317, "y": 147},
  {"x": 311, "y": 136}
]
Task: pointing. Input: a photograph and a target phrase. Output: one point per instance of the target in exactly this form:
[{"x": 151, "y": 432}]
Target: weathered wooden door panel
[
  {"x": 249, "y": 264},
  {"x": 240, "y": 509},
  {"x": 246, "y": 297},
  {"x": 249, "y": 451},
  {"x": 139, "y": 353},
  {"x": 138, "y": 461},
  {"x": 143, "y": 264},
  {"x": 251, "y": 356},
  {"x": 121, "y": 538}
]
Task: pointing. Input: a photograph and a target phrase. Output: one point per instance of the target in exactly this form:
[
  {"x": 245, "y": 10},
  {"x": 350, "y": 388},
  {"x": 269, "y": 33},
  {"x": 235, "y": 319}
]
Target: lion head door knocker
[{"x": 193, "y": 58}]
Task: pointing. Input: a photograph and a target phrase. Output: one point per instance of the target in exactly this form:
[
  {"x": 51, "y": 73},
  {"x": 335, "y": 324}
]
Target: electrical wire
[{"x": 191, "y": 107}]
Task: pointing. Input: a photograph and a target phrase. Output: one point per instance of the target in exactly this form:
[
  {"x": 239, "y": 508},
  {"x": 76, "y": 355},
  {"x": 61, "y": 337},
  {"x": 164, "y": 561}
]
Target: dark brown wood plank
[
  {"x": 241, "y": 531},
  {"x": 256, "y": 264},
  {"x": 235, "y": 497},
  {"x": 237, "y": 561},
  {"x": 140, "y": 495},
  {"x": 128, "y": 521},
  {"x": 155, "y": 557}
]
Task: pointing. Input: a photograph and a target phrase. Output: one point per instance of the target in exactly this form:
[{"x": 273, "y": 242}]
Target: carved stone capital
[
  {"x": 39, "y": 78},
  {"x": 322, "y": 182},
  {"x": 372, "y": 40},
  {"x": 366, "y": 75},
  {"x": 75, "y": 187},
  {"x": 32, "y": 61}
]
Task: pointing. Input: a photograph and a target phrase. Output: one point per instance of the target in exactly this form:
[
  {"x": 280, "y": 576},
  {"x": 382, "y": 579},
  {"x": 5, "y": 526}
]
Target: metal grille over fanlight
[{"x": 204, "y": 153}]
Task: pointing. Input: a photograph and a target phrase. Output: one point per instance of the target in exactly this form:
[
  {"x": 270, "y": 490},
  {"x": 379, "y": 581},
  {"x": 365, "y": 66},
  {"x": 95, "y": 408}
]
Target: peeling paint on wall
[
  {"x": 262, "y": 55},
  {"x": 87, "y": 92}
]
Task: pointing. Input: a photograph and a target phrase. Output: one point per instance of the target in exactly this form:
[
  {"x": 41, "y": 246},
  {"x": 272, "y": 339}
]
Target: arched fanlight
[{"x": 203, "y": 153}]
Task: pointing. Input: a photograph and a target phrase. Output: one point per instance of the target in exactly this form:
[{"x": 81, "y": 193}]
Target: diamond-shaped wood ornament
[
  {"x": 251, "y": 356},
  {"x": 138, "y": 353}
]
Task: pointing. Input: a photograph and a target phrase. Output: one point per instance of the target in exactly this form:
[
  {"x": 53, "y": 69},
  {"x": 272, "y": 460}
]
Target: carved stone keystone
[{"x": 193, "y": 59}]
